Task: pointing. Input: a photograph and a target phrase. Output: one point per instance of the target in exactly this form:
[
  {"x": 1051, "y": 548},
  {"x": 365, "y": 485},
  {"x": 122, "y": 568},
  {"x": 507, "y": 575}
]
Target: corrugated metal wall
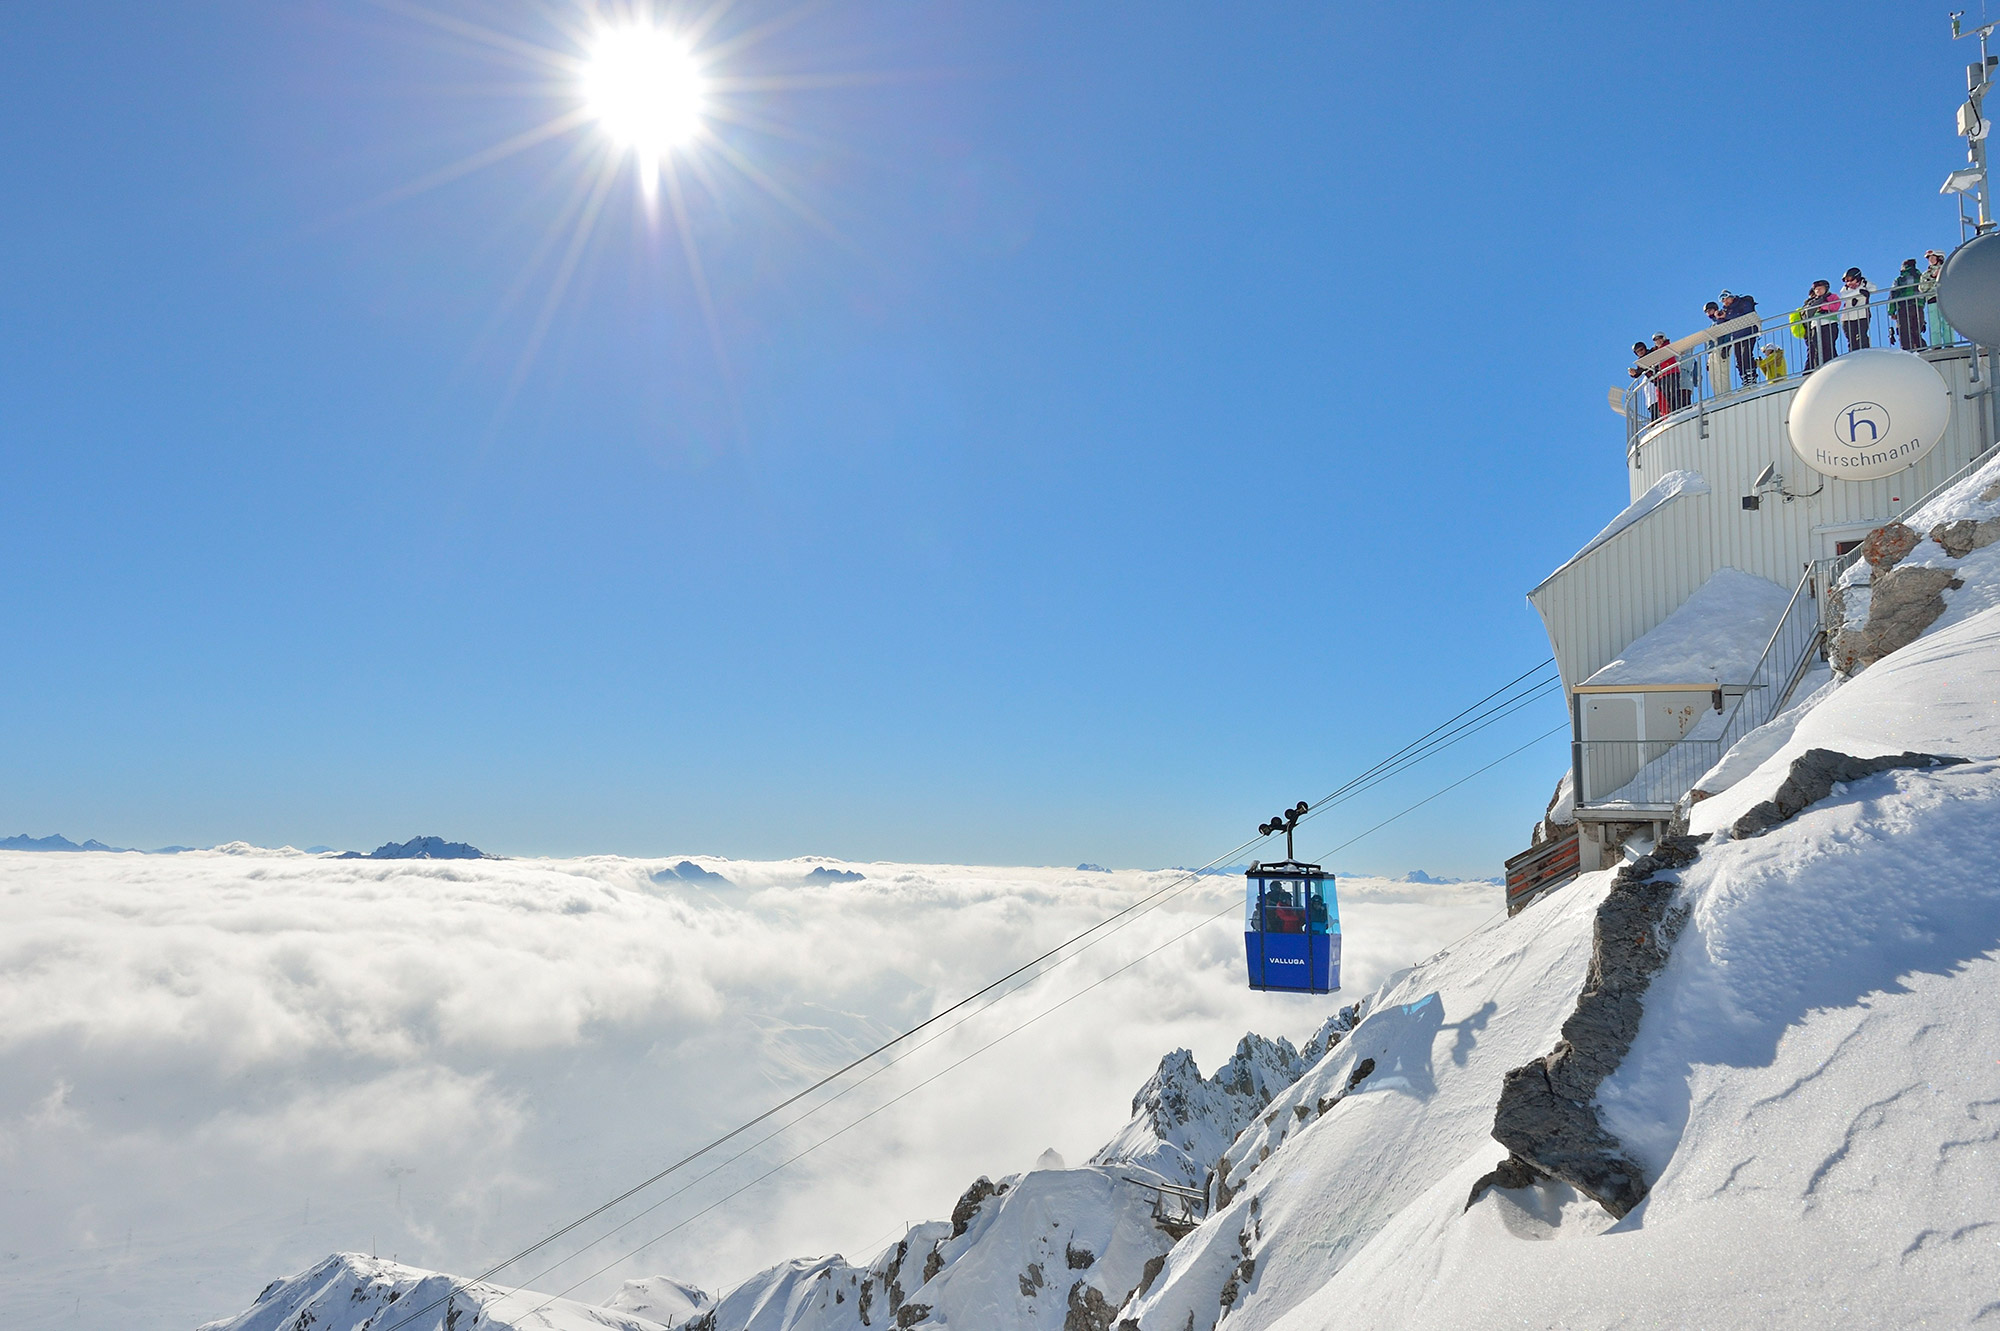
[{"x": 1596, "y": 607}]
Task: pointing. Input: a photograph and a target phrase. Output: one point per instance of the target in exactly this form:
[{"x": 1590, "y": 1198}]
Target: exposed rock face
[
  {"x": 1962, "y": 537},
  {"x": 1182, "y": 1122},
  {"x": 1545, "y": 1117},
  {"x": 1559, "y": 818},
  {"x": 968, "y": 1204},
  {"x": 1331, "y": 1032},
  {"x": 1902, "y": 603},
  {"x": 1513, "y": 1172},
  {"x": 1885, "y": 547},
  {"x": 1088, "y": 1309},
  {"x": 1812, "y": 778}
]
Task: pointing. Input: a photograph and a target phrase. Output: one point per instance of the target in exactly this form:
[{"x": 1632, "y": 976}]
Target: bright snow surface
[
  {"x": 1715, "y": 637},
  {"x": 218, "y": 1068}
]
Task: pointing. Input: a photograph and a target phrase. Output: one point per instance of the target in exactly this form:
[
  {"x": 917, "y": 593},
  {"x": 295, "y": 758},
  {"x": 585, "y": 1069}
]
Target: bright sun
[{"x": 644, "y": 87}]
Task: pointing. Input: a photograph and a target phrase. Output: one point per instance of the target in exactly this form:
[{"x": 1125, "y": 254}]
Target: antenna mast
[{"x": 1972, "y": 123}]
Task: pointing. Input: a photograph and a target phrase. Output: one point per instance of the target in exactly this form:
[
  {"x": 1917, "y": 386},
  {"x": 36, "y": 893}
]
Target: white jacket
[{"x": 1854, "y": 302}]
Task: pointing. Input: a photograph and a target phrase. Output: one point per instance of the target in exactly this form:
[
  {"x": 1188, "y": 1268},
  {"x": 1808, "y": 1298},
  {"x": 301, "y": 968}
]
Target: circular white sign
[{"x": 1869, "y": 414}]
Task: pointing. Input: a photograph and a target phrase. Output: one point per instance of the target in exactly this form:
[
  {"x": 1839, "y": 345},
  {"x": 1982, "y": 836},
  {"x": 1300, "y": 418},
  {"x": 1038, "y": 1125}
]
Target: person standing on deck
[
  {"x": 1667, "y": 375},
  {"x": 1648, "y": 389},
  {"x": 1819, "y": 325},
  {"x": 1855, "y": 291},
  {"x": 1941, "y": 334},
  {"x": 1745, "y": 340},
  {"x": 1718, "y": 350},
  {"x": 1906, "y": 307}
]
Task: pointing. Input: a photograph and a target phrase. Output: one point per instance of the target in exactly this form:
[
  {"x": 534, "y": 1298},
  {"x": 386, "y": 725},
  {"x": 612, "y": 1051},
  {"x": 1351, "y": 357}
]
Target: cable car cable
[
  {"x": 1498, "y": 714},
  {"x": 1430, "y": 740},
  {"x": 1419, "y": 740}
]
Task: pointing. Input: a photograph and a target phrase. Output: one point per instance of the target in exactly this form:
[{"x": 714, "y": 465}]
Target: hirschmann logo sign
[
  {"x": 1862, "y": 428},
  {"x": 1861, "y": 424},
  {"x": 1869, "y": 414}
]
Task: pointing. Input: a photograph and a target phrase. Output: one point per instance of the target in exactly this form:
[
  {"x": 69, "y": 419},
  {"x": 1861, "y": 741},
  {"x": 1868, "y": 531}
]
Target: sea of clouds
[{"x": 217, "y": 1067}]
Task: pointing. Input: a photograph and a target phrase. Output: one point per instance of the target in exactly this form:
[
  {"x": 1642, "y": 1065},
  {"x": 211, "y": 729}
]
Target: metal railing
[
  {"x": 1702, "y": 367},
  {"x": 1655, "y": 774}
]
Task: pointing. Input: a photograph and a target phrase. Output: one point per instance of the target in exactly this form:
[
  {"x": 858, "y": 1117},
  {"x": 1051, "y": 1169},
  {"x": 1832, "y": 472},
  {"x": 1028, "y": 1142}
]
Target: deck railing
[{"x": 1703, "y": 367}]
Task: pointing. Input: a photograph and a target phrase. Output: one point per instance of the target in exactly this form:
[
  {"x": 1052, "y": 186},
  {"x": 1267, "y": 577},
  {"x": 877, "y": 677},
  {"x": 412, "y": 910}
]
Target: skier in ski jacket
[
  {"x": 1772, "y": 362},
  {"x": 1675, "y": 392},
  {"x": 1744, "y": 340},
  {"x": 1649, "y": 390},
  {"x": 1817, "y": 323},
  {"x": 1855, "y": 291},
  {"x": 1906, "y": 307},
  {"x": 1941, "y": 334}
]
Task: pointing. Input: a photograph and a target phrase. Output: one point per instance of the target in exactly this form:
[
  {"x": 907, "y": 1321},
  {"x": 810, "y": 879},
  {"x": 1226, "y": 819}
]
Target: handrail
[{"x": 1705, "y": 357}]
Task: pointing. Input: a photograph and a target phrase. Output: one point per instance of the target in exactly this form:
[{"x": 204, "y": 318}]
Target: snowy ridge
[
  {"x": 1181, "y": 1124},
  {"x": 350, "y": 1290}
]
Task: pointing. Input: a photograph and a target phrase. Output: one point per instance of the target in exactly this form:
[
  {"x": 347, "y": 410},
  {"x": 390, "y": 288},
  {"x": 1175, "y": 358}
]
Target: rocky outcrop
[
  {"x": 968, "y": 1203},
  {"x": 1885, "y": 547},
  {"x": 1962, "y": 537},
  {"x": 1330, "y": 1033},
  {"x": 1513, "y": 1172},
  {"x": 1546, "y": 1117},
  {"x": 1902, "y": 603},
  {"x": 1812, "y": 778},
  {"x": 1182, "y": 1122},
  {"x": 1088, "y": 1310},
  {"x": 1559, "y": 818}
]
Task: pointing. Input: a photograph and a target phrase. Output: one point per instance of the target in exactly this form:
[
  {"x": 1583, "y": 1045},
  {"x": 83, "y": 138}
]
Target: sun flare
[{"x": 645, "y": 88}]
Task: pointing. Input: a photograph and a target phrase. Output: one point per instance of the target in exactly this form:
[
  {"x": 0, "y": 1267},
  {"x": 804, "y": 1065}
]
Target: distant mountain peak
[
  {"x": 422, "y": 848},
  {"x": 53, "y": 841}
]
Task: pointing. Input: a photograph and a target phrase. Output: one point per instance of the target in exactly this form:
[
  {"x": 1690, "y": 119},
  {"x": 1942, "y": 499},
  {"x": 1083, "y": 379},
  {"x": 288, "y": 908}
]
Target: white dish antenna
[
  {"x": 1869, "y": 414},
  {"x": 1969, "y": 289}
]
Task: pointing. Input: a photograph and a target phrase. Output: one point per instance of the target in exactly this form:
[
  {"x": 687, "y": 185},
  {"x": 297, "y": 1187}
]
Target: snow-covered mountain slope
[
  {"x": 1409, "y": 1094},
  {"x": 1815, "y": 1085},
  {"x": 352, "y": 1290}
]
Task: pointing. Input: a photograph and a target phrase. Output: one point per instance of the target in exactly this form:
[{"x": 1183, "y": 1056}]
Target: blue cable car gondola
[{"x": 1291, "y": 920}]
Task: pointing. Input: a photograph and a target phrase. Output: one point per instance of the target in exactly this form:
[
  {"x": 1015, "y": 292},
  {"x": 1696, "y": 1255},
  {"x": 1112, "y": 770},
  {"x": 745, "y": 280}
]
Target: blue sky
[{"x": 1138, "y": 418}]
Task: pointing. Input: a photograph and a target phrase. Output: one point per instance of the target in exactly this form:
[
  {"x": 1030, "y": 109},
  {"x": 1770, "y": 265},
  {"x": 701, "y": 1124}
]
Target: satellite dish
[
  {"x": 1969, "y": 289},
  {"x": 1765, "y": 476},
  {"x": 1869, "y": 414}
]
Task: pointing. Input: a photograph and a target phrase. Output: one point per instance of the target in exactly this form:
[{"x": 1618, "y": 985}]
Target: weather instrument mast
[{"x": 1973, "y": 127}]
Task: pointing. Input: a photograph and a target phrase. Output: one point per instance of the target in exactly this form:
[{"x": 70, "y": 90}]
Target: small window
[{"x": 1844, "y": 547}]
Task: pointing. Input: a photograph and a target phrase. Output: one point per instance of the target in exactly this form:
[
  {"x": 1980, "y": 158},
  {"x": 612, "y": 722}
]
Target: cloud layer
[{"x": 216, "y": 1068}]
